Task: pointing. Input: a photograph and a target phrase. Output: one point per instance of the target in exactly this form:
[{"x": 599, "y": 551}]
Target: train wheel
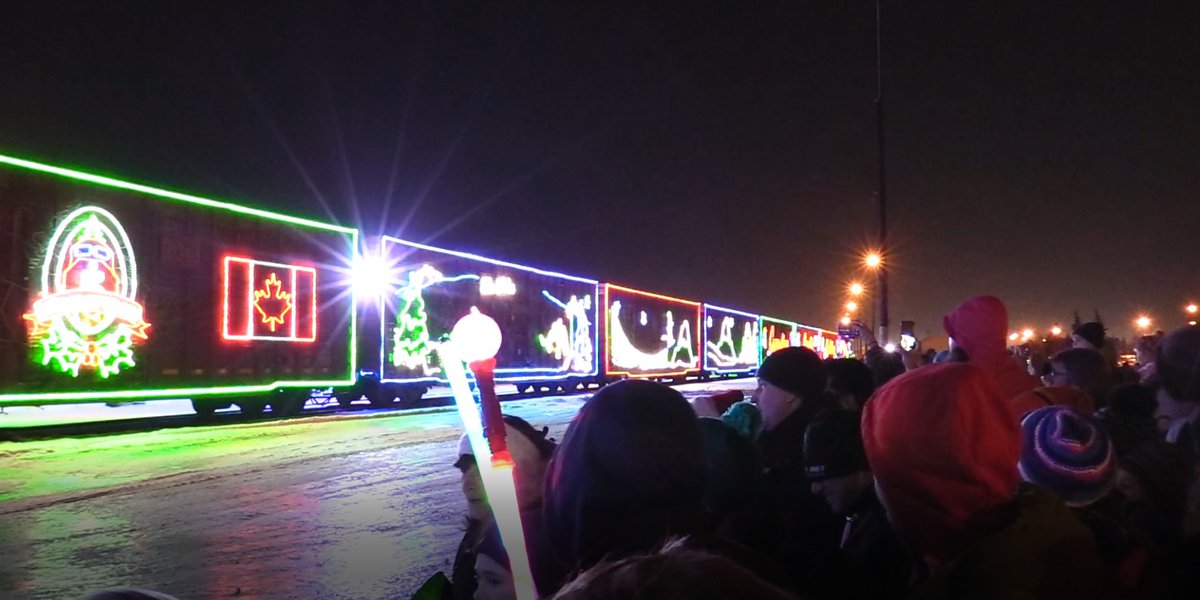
[
  {"x": 288, "y": 404},
  {"x": 207, "y": 408},
  {"x": 411, "y": 395},
  {"x": 384, "y": 397},
  {"x": 345, "y": 399},
  {"x": 252, "y": 408}
]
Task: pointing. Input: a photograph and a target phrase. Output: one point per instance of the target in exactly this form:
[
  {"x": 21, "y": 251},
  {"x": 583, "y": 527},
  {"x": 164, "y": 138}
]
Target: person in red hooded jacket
[
  {"x": 943, "y": 446},
  {"x": 978, "y": 329}
]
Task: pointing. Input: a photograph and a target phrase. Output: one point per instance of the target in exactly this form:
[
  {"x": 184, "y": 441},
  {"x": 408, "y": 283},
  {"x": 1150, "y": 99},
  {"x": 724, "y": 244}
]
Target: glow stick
[{"x": 496, "y": 472}]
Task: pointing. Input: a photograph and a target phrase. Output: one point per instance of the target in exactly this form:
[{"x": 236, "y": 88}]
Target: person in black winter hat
[
  {"x": 851, "y": 382},
  {"x": 871, "y": 561},
  {"x": 781, "y": 517},
  {"x": 786, "y": 379},
  {"x": 834, "y": 459}
]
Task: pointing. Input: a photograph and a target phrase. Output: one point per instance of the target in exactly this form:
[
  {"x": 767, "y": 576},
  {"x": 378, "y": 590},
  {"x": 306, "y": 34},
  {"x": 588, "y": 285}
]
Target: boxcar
[
  {"x": 549, "y": 320},
  {"x": 113, "y": 291},
  {"x": 730, "y": 341},
  {"x": 781, "y": 333},
  {"x": 650, "y": 335}
]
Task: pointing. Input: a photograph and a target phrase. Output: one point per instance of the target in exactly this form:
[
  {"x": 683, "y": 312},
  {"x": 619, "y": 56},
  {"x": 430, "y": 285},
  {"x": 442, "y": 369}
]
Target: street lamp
[
  {"x": 1143, "y": 322},
  {"x": 1056, "y": 331},
  {"x": 846, "y": 320},
  {"x": 1027, "y": 334},
  {"x": 872, "y": 260},
  {"x": 856, "y": 289},
  {"x": 1192, "y": 308},
  {"x": 851, "y": 306}
]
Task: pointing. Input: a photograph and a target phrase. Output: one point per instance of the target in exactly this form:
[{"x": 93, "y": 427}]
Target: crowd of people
[{"x": 960, "y": 474}]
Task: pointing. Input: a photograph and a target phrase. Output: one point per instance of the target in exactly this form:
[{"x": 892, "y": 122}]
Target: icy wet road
[{"x": 349, "y": 506}]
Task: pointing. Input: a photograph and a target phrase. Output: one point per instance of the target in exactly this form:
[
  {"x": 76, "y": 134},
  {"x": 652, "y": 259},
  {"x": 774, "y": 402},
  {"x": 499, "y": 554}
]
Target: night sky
[{"x": 1044, "y": 152}]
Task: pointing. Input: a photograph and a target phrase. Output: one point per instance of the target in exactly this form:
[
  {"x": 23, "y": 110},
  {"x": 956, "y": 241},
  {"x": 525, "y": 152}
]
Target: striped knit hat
[{"x": 1067, "y": 453}]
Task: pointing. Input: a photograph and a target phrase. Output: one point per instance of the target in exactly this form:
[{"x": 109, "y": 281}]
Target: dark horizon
[{"x": 1043, "y": 154}]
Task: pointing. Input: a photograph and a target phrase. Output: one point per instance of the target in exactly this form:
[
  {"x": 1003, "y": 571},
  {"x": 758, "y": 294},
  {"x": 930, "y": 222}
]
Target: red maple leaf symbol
[{"x": 273, "y": 307}]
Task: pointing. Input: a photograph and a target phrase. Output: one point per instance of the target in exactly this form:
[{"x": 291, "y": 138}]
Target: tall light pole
[{"x": 881, "y": 272}]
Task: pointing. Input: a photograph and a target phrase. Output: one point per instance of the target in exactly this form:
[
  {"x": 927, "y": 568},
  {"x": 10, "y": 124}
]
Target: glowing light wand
[{"x": 476, "y": 339}]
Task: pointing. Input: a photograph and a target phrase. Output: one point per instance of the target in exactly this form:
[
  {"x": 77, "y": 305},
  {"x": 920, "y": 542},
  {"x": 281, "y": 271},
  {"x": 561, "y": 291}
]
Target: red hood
[
  {"x": 943, "y": 445},
  {"x": 980, "y": 326}
]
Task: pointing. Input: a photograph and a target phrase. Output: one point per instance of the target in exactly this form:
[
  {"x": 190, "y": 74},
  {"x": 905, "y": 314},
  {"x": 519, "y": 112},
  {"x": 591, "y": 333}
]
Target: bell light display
[{"x": 87, "y": 316}]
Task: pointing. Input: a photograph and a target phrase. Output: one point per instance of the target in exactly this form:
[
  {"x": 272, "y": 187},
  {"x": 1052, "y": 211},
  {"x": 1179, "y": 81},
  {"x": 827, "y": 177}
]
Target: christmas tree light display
[
  {"x": 86, "y": 315},
  {"x": 411, "y": 347}
]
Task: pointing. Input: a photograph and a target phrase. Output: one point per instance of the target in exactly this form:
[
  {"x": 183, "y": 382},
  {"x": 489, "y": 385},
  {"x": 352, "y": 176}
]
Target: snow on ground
[{"x": 353, "y": 505}]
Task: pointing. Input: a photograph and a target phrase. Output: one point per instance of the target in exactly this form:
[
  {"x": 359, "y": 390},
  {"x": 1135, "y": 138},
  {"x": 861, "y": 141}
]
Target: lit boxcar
[
  {"x": 730, "y": 341},
  {"x": 117, "y": 291},
  {"x": 549, "y": 320},
  {"x": 650, "y": 335},
  {"x": 781, "y": 333}
]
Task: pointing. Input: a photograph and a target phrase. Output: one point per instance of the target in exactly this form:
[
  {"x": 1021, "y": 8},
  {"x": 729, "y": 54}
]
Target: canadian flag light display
[{"x": 268, "y": 301}]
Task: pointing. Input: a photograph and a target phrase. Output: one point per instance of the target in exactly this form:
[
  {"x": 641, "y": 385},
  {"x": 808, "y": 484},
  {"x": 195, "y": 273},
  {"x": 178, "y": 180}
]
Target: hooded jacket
[
  {"x": 980, "y": 326},
  {"x": 943, "y": 446},
  {"x": 628, "y": 474}
]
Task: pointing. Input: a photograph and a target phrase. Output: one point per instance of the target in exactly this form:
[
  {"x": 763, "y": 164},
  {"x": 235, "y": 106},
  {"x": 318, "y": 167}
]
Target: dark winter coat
[
  {"x": 462, "y": 576},
  {"x": 872, "y": 561},
  {"x": 1044, "y": 552},
  {"x": 782, "y": 518}
]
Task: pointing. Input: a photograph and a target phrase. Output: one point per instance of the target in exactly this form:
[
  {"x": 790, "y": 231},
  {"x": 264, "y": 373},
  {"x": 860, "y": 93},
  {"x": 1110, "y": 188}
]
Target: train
[{"x": 113, "y": 291}]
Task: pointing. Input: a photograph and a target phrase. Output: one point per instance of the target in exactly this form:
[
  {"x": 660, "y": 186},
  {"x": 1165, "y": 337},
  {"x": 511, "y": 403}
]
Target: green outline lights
[
  {"x": 207, "y": 386},
  {"x": 86, "y": 314}
]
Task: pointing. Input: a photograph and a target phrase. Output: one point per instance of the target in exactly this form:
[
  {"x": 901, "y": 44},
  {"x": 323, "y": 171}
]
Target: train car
[
  {"x": 112, "y": 291},
  {"x": 780, "y": 333},
  {"x": 650, "y": 335},
  {"x": 731, "y": 344},
  {"x": 549, "y": 320}
]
